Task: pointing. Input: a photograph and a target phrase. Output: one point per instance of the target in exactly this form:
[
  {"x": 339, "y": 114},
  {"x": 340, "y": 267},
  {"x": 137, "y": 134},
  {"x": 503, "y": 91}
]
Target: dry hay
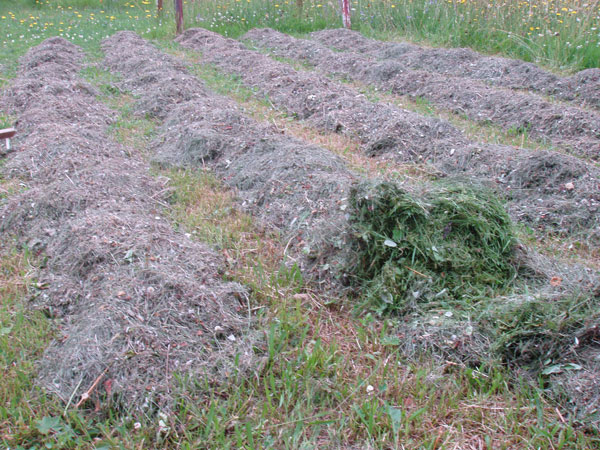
[
  {"x": 294, "y": 188},
  {"x": 579, "y": 385},
  {"x": 575, "y": 129},
  {"x": 138, "y": 302},
  {"x": 170, "y": 81},
  {"x": 582, "y": 87},
  {"x": 326, "y": 104},
  {"x": 538, "y": 197},
  {"x": 446, "y": 325}
]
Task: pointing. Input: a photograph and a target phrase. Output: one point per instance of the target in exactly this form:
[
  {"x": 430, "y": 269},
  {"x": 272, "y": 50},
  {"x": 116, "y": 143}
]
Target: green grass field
[
  {"x": 561, "y": 34},
  {"x": 330, "y": 378}
]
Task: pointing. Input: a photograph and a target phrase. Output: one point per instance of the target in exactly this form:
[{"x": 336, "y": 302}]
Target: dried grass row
[
  {"x": 575, "y": 129},
  {"x": 137, "y": 301},
  {"x": 535, "y": 182},
  {"x": 582, "y": 88}
]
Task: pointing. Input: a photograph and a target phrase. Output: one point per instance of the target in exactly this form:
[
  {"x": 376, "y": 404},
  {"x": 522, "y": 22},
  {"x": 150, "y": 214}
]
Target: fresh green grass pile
[{"x": 451, "y": 243}]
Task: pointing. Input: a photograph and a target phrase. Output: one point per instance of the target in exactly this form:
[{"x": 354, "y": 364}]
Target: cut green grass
[{"x": 451, "y": 242}]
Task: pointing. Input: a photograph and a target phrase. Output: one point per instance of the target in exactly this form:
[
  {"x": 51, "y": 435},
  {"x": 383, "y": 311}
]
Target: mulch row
[
  {"x": 574, "y": 129},
  {"x": 136, "y": 300},
  {"x": 537, "y": 183}
]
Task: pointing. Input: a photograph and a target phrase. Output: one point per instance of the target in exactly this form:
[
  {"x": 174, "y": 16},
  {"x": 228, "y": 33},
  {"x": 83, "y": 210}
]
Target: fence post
[
  {"x": 179, "y": 15},
  {"x": 346, "y": 13},
  {"x": 159, "y": 6}
]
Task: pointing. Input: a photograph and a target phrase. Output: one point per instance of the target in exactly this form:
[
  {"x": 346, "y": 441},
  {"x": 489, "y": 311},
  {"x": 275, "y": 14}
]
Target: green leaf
[
  {"x": 397, "y": 234},
  {"x": 49, "y": 424},
  {"x": 556, "y": 368},
  {"x": 390, "y": 340},
  {"x": 396, "y": 416},
  {"x": 5, "y": 330},
  {"x": 129, "y": 256}
]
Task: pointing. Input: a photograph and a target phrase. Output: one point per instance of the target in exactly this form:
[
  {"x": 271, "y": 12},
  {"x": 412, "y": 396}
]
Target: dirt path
[
  {"x": 298, "y": 189},
  {"x": 582, "y": 88},
  {"x": 574, "y": 129},
  {"x": 136, "y": 300},
  {"x": 537, "y": 183}
]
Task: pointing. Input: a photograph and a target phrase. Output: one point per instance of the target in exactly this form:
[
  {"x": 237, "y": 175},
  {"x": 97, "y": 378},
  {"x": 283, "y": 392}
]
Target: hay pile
[
  {"x": 576, "y": 129},
  {"x": 534, "y": 181},
  {"x": 582, "y": 87},
  {"x": 137, "y": 302},
  {"x": 300, "y": 190}
]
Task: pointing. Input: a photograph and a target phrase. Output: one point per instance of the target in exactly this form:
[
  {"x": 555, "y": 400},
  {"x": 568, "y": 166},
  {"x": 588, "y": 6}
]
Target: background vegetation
[{"x": 562, "y": 34}]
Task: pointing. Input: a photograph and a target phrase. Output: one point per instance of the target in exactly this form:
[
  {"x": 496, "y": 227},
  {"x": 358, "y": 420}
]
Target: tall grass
[{"x": 562, "y": 34}]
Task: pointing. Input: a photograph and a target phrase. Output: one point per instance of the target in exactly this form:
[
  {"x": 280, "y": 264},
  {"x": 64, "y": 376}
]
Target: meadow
[
  {"x": 332, "y": 379},
  {"x": 563, "y": 35}
]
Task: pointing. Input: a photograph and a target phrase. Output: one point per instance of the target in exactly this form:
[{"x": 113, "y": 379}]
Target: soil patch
[
  {"x": 582, "y": 87},
  {"x": 137, "y": 301},
  {"x": 538, "y": 197}
]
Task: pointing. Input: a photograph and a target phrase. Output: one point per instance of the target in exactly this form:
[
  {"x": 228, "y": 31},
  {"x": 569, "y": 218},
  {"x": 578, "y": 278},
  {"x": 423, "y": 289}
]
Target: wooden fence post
[
  {"x": 346, "y": 13},
  {"x": 179, "y": 15}
]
